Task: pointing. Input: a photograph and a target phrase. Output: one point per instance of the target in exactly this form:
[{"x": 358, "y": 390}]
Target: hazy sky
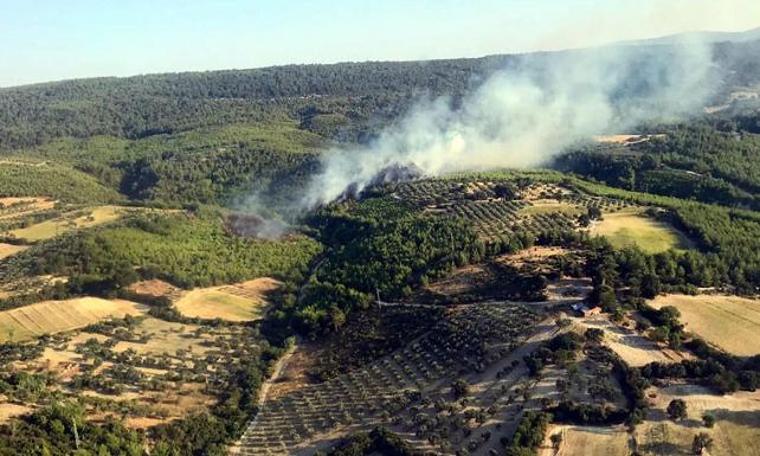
[{"x": 42, "y": 40}]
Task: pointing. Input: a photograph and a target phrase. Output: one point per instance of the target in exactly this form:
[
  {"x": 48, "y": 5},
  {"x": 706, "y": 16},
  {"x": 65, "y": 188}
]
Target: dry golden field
[
  {"x": 51, "y": 317},
  {"x": 7, "y": 250},
  {"x": 736, "y": 430},
  {"x": 239, "y": 302},
  {"x": 729, "y": 322},
  {"x": 587, "y": 440}
]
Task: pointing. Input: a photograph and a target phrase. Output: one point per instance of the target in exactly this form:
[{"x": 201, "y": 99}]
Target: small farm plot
[
  {"x": 68, "y": 222},
  {"x": 239, "y": 302},
  {"x": 587, "y": 440},
  {"x": 631, "y": 227},
  {"x": 729, "y": 322},
  {"x": 52, "y": 317}
]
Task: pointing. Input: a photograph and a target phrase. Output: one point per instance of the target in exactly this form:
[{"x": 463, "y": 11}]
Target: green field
[
  {"x": 627, "y": 228},
  {"x": 61, "y": 225}
]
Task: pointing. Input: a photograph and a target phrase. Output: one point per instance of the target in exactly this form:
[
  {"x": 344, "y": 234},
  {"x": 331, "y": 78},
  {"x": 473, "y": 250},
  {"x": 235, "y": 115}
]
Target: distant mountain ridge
[
  {"x": 345, "y": 100},
  {"x": 704, "y": 36}
]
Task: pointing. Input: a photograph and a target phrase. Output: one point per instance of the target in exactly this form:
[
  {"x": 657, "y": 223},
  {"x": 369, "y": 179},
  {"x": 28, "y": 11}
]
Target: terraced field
[{"x": 52, "y": 317}]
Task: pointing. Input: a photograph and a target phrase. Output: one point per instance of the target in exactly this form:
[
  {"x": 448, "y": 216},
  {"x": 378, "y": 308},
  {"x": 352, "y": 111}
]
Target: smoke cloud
[{"x": 524, "y": 116}]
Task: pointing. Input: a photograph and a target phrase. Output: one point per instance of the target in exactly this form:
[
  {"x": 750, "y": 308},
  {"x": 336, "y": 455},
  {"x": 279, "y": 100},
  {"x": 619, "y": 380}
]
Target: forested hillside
[
  {"x": 342, "y": 100},
  {"x": 472, "y": 313},
  {"x": 711, "y": 160}
]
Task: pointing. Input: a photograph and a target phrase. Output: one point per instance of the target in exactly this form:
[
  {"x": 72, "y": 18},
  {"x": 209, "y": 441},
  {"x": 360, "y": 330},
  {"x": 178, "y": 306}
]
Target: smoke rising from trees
[{"x": 524, "y": 116}]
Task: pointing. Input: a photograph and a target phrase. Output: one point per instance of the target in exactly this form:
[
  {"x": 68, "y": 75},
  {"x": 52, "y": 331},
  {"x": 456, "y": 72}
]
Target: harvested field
[
  {"x": 587, "y": 440},
  {"x": 58, "y": 316},
  {"x": 7, "y": 250},
  {"x": 729, "y": 322},
  {"x": 239, "y": 302},
  {"x": 628, "y": 228},
  {"x": 568, "y": 289}
]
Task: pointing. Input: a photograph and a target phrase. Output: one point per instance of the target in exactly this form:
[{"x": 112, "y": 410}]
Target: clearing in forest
[
  {"x": 12, "y": 207},
  {"x": 628, "y": 228},
  {"x": 587, "y": 440},
  {"x": 51, "y": 317},
  {"x": 239, "y": 302},
  {"x": 155, "y": 288},
  {"x": 51, "y": 228},
  {"x": 729, "y": 322}
]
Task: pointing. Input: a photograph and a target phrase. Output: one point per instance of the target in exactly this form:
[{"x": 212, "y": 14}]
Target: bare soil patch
[
  {"x": 295, "y": 373},
  {"x": 635, "y": 349},
  {"x": 154, "y": 288},
  {"x": 536, "y": 254},
  {"x": 7, "y": 250},
  {"x": 9, "y": 410}
]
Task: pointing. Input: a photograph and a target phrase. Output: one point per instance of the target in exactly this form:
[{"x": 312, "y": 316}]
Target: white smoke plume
[{"x": 523, "y": 117}]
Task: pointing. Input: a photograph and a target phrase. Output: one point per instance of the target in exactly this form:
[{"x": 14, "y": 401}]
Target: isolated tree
[
  {"x": 594, "y": 213},
  {"x": 660, "y": 334},
  {"x": 701, "y": 442},
  {"x": 562, "y": 322},
  {"x": 459, "y": 388},
  {"x": 708, "y": 420},
  {"x": 677, "y": 409},
  {"x": 594, "y": 335},
  {"x": 556, "y": 441}
]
